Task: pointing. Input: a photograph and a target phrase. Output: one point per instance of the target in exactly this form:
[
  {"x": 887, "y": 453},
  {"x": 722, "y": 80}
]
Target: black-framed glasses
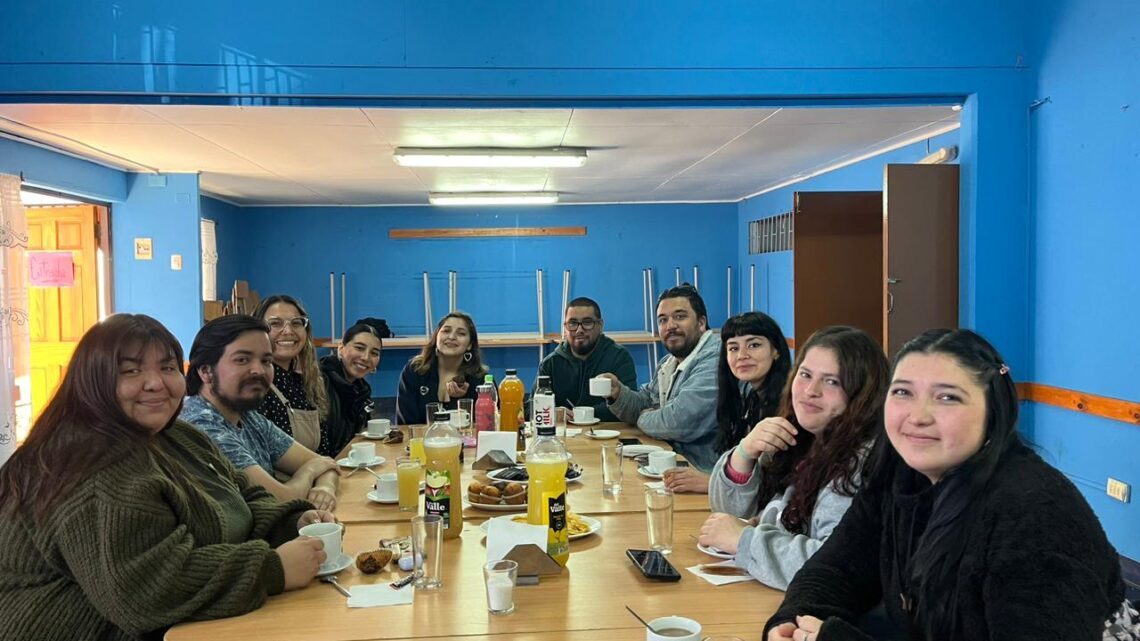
[
  {"x": 587, "y": 324},
  {"x": 299, "y": 323}
]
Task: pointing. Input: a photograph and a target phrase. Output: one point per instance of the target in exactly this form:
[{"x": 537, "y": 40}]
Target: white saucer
[
  {"x": 645, "y": 471},
  {"x": 375, "y": 498},
  {"x": 631, "y": 451},
  {"x": 332, "y": 567},
  {"x": 593, "y": 421},
  {"x": 602, "y": 435},
  {"x": 374, "y": 438},
  {"x": 717, "y": 552},
  {"x": 376, "y": 460}
]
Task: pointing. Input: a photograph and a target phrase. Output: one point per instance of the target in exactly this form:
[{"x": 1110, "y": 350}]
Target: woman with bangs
[
  {"x": 450, "y": 367},
  {"x": 794, "y": 474},
  {"x": 118, "y": 521}
]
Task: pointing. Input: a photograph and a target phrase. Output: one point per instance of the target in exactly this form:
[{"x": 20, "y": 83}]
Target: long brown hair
[
  {"x": 425, "y": 360},
  {"x": 83, "y": 428},
  {"x": 314, "y": 382},
  {"x": 813, "y": 463}
]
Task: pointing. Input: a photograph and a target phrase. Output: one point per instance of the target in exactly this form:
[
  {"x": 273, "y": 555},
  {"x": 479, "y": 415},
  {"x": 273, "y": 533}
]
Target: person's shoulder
[
  {"x": 1026, "y": 487},
  {"x": 257, "y": 421},
  {"x": 198, "y": 412}
]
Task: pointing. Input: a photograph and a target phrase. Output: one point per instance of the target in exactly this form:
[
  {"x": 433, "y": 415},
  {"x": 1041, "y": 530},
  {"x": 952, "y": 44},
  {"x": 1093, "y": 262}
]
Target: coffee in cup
[
  {"x": 362, "y": 453},
  {"x": 583, "y": 414},
  {"x": 388, "y": 487},
  {"x": 330, "y": 534},
  {"x": 660, "y": 461},
  {"x": 601, "y": 386},
  {"x": 673, "y": 628},
  {"x": 379, "y": 427}
]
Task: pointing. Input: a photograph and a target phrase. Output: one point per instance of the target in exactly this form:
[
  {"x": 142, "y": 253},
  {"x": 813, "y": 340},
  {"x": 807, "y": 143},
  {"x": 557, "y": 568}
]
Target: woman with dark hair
[
  {"x": 297, "y": 401},
  {"x": 795, "y": 473},
  {"x": 118, "y": 521},
  {"x": 345, "y": 371},
  {"x": 450, "y": 367},
  {"x": 961, "y": 530},
  {"x": 753, "y": 367}
]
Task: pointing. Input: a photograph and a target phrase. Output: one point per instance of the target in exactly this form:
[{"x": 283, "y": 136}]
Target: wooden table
[
  {"x": 585, "y": 497},
  {"x": 586, "y": 602}
]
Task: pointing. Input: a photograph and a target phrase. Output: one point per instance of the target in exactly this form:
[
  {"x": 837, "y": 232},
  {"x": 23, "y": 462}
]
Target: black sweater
[
  {"x": 350, "y": 405},
  {"x": 417, "y": 390},
  {"x": 1037, "y": 565}
]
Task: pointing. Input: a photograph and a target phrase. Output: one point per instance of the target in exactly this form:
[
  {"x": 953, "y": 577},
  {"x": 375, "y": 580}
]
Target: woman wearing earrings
[
  {"x": 450, "y": 367},
  {"x": 345, "y": 371}
]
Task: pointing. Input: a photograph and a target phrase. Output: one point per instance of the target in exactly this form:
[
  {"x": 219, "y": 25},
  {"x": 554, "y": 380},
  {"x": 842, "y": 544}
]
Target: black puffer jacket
[{"x": 350, "y": 405}]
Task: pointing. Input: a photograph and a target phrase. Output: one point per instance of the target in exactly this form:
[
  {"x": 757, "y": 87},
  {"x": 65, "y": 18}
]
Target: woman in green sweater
[{"x": 117, "y": 522}]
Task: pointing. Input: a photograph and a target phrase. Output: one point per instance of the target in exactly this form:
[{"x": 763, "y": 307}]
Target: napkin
[
  {"x": 504, "y": 534},
  {"x": 505, "y": 442},
  {"x": 719, "y": 580},
  {"x": 655, "y": 485},
  {"x": 371, "y": 596},
  {"x": 573, "y": 431}
]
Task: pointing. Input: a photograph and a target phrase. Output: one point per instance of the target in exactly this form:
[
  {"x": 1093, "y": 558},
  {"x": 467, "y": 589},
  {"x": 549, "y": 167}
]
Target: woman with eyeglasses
[{"x": 297, "y": 401}]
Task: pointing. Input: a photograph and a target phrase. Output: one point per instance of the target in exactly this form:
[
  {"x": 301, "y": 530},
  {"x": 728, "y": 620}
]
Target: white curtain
[
  {"x": 209, "y": 260},
  {"x": 15, "y": 344}
]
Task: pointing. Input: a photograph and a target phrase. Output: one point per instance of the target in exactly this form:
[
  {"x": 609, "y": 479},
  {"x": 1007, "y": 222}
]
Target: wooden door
[
  {"x": 920, "y": 251},
  {"x": 58, "y": 316},
  {"x": 838, "y": 261}
]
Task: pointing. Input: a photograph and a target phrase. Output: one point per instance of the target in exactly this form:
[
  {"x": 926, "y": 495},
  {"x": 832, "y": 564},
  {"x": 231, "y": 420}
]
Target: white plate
[
  {"x": 342, "y": 563},
  {"x": 517, "y": 507},
  {"x": 593, "y": 421},
  {"x": 374, "y": 496},
  {"x": 376, "y": 460},
  {"x": 602, "y": 435},
  {"x": 631, "y": 451},
  {"x": 494, "y": 476},
  {"x": 374, "y": 438},
  {"x": 645, "y": 471},
  {"x": 717, "y": 552},
  {"x": 595, "y": 526}
]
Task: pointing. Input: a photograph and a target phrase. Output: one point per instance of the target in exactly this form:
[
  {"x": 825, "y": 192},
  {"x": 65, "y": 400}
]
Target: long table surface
[
  {"x": 585, "y": 496},
  {"x": 586, "y": 602}
]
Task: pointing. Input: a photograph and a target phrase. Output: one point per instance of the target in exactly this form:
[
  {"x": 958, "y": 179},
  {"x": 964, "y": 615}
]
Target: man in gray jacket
[{"x": 679, "y": 404}]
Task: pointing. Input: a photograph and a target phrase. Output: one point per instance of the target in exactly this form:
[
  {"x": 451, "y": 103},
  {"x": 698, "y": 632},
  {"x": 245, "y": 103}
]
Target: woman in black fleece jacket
[{"x": 961, "y": 531}]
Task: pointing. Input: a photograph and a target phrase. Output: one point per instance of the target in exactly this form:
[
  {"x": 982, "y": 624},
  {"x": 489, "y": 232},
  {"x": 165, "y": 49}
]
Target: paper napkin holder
[
  {"x": 533, "y": 562},
  {"x": 493, "y": 460}
]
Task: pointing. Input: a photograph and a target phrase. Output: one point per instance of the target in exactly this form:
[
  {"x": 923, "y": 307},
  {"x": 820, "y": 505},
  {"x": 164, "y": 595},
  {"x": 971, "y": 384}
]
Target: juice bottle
[
  {"x": 443, "y": 489},
  {"x": 546, "y": 462},
  {"x": 511, "y": 392},
  {"x": 489, "y": 379},
  {"x": 542, "y": 405},
  {"x": 485, "y": 409}
]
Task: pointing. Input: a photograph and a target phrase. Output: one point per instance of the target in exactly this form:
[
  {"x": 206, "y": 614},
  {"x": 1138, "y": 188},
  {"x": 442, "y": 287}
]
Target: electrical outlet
[{"x": 1119, "y": 490}]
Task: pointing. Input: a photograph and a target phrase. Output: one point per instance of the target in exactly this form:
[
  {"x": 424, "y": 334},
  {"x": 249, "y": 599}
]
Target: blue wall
[
  {"x": 1085, "y": 143},
  {"x": 774, "y": 277},
  {"x": 48, "y": 169},
  {"x": 232, "y": 263}
]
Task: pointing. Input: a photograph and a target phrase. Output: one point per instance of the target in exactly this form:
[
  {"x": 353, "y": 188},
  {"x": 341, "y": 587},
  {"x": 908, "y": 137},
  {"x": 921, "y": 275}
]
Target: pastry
[{"x": 374, "y": 561}]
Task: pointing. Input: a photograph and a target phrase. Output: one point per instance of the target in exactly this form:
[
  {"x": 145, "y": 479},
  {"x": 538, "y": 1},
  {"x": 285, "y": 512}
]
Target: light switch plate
[
  {"x": 176, "y": 262},
  {"x": 1119, "y": 490}
]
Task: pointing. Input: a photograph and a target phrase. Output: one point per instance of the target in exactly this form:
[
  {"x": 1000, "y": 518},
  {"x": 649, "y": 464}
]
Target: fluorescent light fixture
[
  {"x": 445, "y": 198},
  {"x": 490, "y": 157}
]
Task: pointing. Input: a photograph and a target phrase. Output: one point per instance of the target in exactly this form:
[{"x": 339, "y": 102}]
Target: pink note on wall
[{"x": 51, "y": 269}]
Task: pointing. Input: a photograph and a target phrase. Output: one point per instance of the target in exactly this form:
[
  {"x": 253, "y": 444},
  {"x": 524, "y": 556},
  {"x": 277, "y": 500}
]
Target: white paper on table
[
  {"x": 504, "y": 534},
  {"x": 655, "y": 485},
  {"x": 506, "y": 442},
  {"x": 573, "y": 431},
  {"x": 379, "y": 594},
  {"x": 716, "y": 579}
]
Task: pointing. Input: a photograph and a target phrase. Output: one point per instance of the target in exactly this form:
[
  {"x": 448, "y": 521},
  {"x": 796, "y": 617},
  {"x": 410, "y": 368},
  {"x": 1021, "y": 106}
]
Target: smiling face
[
  {"x": 582, "y": 327},
  {"x": 360, "y": 356},
  {"x": 288, "y": 332},
  {"x": 679, "y": 325},
  {"x": 150, "y": 389},
  {"x": 935, "y": 414},
  {"x": 453, "y": 337},
  {"x": 817, "y": 394},
  {"x": 750, "y": 358},
  {"x": 241, "y": 378}
]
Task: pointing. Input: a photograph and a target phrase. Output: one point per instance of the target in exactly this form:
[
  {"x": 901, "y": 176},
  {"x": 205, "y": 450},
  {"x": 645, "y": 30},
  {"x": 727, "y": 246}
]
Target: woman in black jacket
[
  {"x": 345, "y": 371},
  {"x": 450, "y": 367},
  {"x": 961, "y": 531}
]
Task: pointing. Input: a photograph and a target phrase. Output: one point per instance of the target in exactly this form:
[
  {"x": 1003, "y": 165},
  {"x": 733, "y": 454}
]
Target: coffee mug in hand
[
  {"x": 600, "y": 386},
  {"x": 330, "y": 535},
  {"x": 673, "y": 628},
  {"x": 583, "y": 414}
]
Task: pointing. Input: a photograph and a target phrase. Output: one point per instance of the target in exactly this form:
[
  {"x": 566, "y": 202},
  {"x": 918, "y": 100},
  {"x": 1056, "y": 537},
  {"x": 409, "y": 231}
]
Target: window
[
  {"x": 209, "y": 260},
  {"x": 772, "y": 234}
]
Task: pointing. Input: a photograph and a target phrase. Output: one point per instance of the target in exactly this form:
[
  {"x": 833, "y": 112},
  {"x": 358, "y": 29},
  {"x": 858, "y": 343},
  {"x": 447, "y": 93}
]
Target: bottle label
[
  {"x": 543, "y": 412},
  {"x": 556, "y": 508},
  {"x": 437, "y": 495}
]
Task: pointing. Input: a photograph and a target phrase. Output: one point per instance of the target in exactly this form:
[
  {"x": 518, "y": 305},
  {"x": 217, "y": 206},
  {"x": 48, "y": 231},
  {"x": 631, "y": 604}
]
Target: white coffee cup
[
  {"x": 362, "y": 453},
  {"x": 661, "y": 460},
  {"x": 686, "y": 629},
  {"x": 459, "y": 418},
  {"x": 387, "y": 487},
  {"x": 583, "y": 414},
  {"x": 601, "y": 386},
  {"x": 379, "y": 427},
  {"x": 330, "y": 534}
]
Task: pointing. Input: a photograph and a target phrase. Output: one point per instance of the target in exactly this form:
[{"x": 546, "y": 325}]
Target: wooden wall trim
[
  {"x": 484, "y": 232},
  {"x": 1102, "y": 406}
]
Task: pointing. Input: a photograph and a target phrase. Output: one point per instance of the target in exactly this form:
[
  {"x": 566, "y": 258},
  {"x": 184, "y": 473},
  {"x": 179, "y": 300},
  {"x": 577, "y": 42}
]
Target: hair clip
[{"x": 1004, "y": 369}]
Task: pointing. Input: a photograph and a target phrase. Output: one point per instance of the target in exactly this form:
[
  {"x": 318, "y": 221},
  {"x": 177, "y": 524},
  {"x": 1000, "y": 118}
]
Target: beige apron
[{"x": 306, "y": 424}]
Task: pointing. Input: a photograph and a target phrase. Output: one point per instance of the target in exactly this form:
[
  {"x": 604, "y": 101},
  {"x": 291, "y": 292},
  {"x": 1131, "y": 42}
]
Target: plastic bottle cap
[
  {"x": 512, "y": 372},
  {"x": 442, "y": 416}
]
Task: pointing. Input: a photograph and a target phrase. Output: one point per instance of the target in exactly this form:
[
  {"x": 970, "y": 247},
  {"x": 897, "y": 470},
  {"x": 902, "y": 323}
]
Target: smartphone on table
[
  {"x": 653, "y": 565},
  {"x": 629, "y": 441}
]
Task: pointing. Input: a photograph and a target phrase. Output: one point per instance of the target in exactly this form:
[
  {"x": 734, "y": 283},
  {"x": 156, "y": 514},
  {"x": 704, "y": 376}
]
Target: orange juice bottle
[
  {"x": 511, "y": 392},
  {"x": 546, "y": 462},
  {"x": 443, "y": 490}
]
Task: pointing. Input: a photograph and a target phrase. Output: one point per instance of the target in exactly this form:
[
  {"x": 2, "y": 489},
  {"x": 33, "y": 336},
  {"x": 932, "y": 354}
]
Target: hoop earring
[{"x": 466, "y": 357}]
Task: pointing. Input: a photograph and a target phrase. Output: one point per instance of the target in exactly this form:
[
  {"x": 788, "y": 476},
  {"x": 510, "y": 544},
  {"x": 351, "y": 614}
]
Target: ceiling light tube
[
  {"x": 490, "y": 157},
  {"x": 454, "y": 198}
]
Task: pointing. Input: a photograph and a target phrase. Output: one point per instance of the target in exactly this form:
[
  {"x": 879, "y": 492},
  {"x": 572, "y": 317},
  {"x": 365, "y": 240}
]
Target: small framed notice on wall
[{"x": 144, "y": 249}]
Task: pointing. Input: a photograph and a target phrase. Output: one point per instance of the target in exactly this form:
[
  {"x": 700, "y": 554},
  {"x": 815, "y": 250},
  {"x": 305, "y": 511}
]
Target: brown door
[
  {"x": 920, "y": 241},
  {"x": 58, "y": 316},
  {"x": 838, "y": 261}
]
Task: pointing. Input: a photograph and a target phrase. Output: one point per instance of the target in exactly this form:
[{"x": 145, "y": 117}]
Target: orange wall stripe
[
  {"x": 1102, "y": 406},
  {"x": 485, "y": 232}
]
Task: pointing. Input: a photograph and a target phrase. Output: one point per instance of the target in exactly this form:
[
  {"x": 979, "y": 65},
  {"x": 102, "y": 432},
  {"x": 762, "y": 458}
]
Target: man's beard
[
  {"x": 685, "y": 349},
  {"x": 239, "y": 404},
  {"x": 585, "y": 349}
]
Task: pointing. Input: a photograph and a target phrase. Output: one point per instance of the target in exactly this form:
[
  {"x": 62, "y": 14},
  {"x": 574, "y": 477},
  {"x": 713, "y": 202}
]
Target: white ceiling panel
[
  {"x": 270, "y": 116},
  {"x": 671, "y": 117},
  {"x": 467, "y": 118},
  {"x": 94, "y": 114}
]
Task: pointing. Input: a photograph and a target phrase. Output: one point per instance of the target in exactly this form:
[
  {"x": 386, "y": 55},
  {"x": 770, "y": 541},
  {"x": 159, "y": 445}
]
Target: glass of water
[{"x": 659, "y": 512}]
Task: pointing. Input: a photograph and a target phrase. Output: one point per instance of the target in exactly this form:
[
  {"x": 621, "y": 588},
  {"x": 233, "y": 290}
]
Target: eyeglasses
[
  {"x": 587, "y": 324},
  {"x": 297, "y": 323}
]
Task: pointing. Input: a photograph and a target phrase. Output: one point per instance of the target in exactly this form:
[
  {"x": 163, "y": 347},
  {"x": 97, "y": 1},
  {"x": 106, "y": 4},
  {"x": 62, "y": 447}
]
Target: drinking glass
[
  {"x": 461, "y": 420},
  {"x": 611, "y": 469},
  {"x": 500, "y": 577},
  {"x": 427, "y": 550},
  {"x": 659, "y": 511},
  {"x": 409, "y": 472}
]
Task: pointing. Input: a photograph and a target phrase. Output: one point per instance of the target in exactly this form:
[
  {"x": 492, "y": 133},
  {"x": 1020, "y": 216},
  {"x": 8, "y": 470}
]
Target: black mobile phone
[
  {"x": 653, "y": 565},
  {"x": 629, "y": 441}
]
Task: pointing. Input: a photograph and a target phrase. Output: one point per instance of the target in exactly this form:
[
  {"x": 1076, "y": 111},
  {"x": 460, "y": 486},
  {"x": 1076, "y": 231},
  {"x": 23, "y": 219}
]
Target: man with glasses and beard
[
  {"x": 585, "y": 353},
  {"x": 231, "y": 368},
  {"x": 679, "y": 404}
]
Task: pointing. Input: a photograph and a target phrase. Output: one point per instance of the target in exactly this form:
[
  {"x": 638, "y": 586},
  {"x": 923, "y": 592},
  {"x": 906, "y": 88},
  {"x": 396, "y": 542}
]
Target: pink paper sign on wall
[{"x": 51, "y": 269}]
